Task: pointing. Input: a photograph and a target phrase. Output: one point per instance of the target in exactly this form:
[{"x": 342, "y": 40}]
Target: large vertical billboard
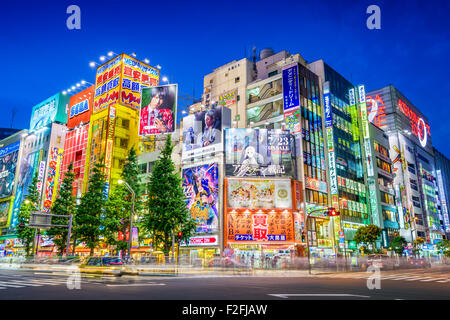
[
  {"x": 50, "y": 110},
  {"x": 8, "y": 164},
  {"x": 121, "y": 80},
  {"x": 291, "y": 92},
  {"x": 203, "y": 131},
  {"x": 159, "y": 109},
  {"x": 136, "y": 76},
  {"x": 107, "y": 84},
  {"x": 258, "y": 153},
  {"x": 201, "y": 188},
  {"x": 51, "y": 184}
]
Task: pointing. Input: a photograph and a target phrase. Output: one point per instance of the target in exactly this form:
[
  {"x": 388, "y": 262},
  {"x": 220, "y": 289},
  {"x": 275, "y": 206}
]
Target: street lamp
[{"x": 132, "y": 214}]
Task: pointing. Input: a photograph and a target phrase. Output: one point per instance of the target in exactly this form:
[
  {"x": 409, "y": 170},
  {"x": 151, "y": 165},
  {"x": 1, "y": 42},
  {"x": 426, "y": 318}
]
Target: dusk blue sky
[{"x": 41, "y": 57}]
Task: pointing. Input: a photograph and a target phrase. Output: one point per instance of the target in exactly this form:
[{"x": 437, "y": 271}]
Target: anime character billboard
[{"x": 201, "y": 187}]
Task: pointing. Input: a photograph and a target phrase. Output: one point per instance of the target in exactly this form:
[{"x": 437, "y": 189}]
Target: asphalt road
[{"x": 399, "y": 285}]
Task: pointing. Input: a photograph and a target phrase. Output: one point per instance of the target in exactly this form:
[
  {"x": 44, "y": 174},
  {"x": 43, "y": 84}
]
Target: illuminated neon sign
[
  {"x": 418, "y": 126},
  {"x": 79, "y": 108},
  {"x": 377, "y": 113}
]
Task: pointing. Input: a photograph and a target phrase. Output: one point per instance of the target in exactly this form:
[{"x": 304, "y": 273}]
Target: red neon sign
[
  {"x": 418, "y": 125},
  {"x": 376, "y": 113}
]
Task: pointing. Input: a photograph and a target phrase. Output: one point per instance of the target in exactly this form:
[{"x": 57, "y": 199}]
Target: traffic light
[
  {"x": 332, "y": 212},
  {"x": 179, "y": 236}
]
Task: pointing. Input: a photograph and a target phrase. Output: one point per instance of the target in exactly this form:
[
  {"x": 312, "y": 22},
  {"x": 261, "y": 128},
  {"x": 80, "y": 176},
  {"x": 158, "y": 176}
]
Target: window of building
[
  {"x": 273, "y": 73},
  {"x": 124, "y": 143},
  {"x": 143, "y": 167},
  {"x": 126, "y": 123},
  {"x": 78, "y": 155}
]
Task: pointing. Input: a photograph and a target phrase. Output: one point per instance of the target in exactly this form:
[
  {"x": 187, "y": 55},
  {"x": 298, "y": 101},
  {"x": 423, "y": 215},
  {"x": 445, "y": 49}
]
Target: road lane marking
[
  {"x": 287, "y": 295},
  {"x": 433, "y": 279},
  {"x": 135, "y": 284},
  {"x": 27, "y": 283},
  {"x": 417, "y": 278},
  {"x": 5, "y": 284}
]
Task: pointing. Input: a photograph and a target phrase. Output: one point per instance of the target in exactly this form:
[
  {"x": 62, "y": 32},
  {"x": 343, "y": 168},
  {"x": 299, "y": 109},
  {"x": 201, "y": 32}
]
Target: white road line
[
  {"x": 287, "y": 295},
  {"x": 433, "y": 279},
  {"x": 444, "y": 281},
  {"x": 417, "y": 278},
  {"x": 398, "y": 278},
  {"x": 27, "y": 283},
  {"x": 5, "y": 284},
  {"x": 135, "y": 284}
]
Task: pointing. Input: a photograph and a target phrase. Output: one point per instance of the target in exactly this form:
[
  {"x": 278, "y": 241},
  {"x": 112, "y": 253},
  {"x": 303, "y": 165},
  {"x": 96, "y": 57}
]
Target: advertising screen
[
  {"x": 48, "y": 111},
  {"x": 259, "y": 194},
  {"x": 158, "y": 110},
  {"x": 201, "y": 187},
  {"x": 8, "y": 164},
  {"x": 202, "y": 131},
  {"x": 258, "y": 152}
]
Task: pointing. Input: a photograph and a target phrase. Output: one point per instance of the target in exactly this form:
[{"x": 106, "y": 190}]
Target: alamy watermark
[
  {"x": 374, "y": 20},
  {"x": 74, "y": 279},
  {"x": 374, "y": 281},
  {"x": 73, "y": 22}
]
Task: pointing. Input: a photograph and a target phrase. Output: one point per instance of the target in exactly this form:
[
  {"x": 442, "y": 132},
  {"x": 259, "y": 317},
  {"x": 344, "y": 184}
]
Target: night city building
[{"x": 413, "y": 161}]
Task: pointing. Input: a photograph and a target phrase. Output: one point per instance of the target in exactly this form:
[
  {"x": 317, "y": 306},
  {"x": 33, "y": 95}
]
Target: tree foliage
[
  {"x": 367, "y": 235},
  {"x": 167, "y": 212},
  {"x": 63, "y": 205},
  {"x": 444, "y": 245},
  {"x": 398, "y": 244},
  {"x": 89, "y": 213},
  {"x": 30, "y": 203}
]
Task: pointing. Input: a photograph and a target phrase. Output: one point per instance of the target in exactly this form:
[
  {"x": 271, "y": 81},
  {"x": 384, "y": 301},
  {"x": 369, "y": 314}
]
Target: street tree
[
  {"x": 444, "y": 245},
  {"x": 89, "y": 212},
  {"x": 417, "y": 246},
  {"x": 119, "y": 204},
  {"x": 368, "y": 235},
  {"x": 25, "y": 233},
  {"x": 398, "y": 245},
  {"x": 166, "y": 211},
  {"x": 64, "y": 205}
]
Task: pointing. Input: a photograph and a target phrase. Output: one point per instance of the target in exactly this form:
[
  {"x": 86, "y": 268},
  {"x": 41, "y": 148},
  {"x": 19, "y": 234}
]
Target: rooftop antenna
[
  {"x": 13, "y": 114},
  {"x": 254, "y": 60}
]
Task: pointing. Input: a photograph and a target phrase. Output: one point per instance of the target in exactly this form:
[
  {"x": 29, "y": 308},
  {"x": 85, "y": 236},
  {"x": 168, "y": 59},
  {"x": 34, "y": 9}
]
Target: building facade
[{"x": 412, "y": 155}]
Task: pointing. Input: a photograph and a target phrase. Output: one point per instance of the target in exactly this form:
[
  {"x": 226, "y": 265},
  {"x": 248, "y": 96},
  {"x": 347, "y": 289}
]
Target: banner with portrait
[
  {"x": 158, "y": 110},
  {"x": 202, "y": 131}
]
